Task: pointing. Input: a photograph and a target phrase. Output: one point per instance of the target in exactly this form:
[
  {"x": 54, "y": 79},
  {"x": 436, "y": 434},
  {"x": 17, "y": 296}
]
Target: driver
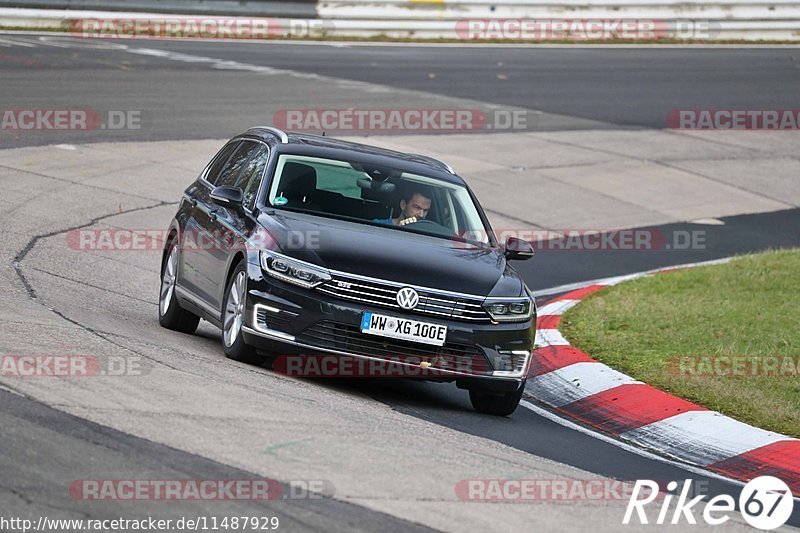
[{"x": 414, "y": 206}]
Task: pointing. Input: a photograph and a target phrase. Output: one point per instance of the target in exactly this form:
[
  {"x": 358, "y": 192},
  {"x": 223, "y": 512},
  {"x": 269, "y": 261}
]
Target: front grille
[
  {"x": 347, "y": 338},
  {"x": 384, "y": 294}
]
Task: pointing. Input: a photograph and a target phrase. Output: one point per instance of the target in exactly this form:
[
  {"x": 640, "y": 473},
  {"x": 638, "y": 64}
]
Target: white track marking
[
  {"x": 702, "y": 437},
  {"x": 575, "y": 382},
  {"x": 8, "y": 43},
  {"x": 550, "y": 337},
  {"x": 557, "y": 308},
  {"x": 564, "y": 422}
]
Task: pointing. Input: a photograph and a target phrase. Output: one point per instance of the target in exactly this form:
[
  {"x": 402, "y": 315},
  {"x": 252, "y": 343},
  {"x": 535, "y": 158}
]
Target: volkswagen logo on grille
[{"x": 407, "y": 298}]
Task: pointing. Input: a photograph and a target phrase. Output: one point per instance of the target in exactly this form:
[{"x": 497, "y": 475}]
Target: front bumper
[{"x": 285, "y": 319}]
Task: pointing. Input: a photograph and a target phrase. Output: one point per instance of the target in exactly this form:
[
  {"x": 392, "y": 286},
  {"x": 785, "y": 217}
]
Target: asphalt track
[
  {"x": 185, "y": 100},
  {"x": 49, "y": 434},
  {"x": 572, "y": 88}
]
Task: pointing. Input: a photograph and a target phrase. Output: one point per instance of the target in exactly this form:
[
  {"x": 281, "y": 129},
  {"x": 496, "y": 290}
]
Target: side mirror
[
  {"x": 227, "y": 196},
  {"x": 518, "y": 249}
]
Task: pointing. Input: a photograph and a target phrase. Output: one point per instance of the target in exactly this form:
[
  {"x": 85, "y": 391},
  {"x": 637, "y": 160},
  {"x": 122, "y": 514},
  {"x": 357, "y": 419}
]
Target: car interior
[
  {"x": 367, "y": 193},
  {"x": 377, "y": 200}
]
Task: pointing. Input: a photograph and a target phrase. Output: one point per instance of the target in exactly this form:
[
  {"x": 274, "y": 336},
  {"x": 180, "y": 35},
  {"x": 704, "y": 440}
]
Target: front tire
[
  {"x": 170, "y": 314},
  {"x": 233, "y": 317},
  {"x": 498, "y": 404}
]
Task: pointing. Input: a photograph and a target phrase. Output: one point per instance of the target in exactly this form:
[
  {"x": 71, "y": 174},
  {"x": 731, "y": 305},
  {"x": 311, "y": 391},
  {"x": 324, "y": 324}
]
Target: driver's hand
[{"x": 408, "y": 220}]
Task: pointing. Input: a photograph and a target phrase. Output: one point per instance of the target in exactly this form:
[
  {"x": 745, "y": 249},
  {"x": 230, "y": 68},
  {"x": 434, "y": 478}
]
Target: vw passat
[{"x": 306, "y": 245}]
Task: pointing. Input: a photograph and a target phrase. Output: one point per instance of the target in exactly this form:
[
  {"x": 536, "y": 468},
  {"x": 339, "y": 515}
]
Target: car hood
[{"x": 395, "y": 255}]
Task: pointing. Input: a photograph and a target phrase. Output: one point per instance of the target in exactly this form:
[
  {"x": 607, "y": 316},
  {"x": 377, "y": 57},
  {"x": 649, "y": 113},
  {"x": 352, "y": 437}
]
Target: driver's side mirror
[
  {"x": 227, "y": 196},
  {"x": 518, "y": 249}
]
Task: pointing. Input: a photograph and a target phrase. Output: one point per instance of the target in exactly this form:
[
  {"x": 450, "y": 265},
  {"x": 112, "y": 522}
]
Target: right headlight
[
  {"x": 509, "y": 309},
  {"x": 292, "y": 270}
]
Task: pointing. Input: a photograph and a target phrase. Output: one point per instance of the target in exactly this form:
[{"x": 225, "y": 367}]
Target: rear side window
[{"x": 231, "y": 174}]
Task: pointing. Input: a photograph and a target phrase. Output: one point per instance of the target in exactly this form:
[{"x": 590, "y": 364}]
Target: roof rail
[
  {"x": 278, "y": 132},
  {"x": 436, "y": 162}
]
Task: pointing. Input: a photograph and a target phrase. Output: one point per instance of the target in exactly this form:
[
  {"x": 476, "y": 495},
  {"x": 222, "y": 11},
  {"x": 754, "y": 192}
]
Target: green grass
[{"x": 749, "y": 307}]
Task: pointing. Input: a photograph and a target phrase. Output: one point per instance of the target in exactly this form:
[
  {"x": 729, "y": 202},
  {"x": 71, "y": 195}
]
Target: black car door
[
  {"x": 195, "y": 231},
  {"x": 228, "y": 226}
]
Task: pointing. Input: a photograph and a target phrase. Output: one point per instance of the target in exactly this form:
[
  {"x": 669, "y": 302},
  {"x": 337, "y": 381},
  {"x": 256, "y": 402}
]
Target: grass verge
[{"x": 726, "y": 337}]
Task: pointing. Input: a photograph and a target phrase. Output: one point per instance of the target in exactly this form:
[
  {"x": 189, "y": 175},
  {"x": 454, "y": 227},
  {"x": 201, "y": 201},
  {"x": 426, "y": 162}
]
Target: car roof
[{"x": 331, "y": 145}]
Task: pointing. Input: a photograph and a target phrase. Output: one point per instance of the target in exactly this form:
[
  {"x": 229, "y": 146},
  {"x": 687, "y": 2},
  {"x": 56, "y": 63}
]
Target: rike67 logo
[{"x": 765, "y": 502}]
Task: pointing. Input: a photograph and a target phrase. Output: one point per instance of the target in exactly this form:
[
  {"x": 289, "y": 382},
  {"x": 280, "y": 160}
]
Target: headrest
[{"x": 297, "y": 181}]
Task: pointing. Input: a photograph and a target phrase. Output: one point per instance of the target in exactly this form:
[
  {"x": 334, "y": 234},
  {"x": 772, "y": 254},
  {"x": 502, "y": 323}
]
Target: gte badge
[{"x": 765, "y": 502}]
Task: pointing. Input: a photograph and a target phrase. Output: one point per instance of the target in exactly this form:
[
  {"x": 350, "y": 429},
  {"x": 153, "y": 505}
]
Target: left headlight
[
  {"x": 293, "y": 271},
  {"x": 509, "y": 310}
]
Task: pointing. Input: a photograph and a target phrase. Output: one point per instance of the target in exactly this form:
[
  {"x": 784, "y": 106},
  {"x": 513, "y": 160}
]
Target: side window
[
  {"x": 252, "y": 175},
  {"x": 219, "y": 161},
  {"x": 231, "y": 174}
]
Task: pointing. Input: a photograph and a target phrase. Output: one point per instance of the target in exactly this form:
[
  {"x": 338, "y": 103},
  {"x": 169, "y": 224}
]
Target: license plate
[{"x": 403, "y": 328}]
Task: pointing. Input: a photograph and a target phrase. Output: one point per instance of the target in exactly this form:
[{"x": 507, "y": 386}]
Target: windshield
[{"x": 378, "y": 196}]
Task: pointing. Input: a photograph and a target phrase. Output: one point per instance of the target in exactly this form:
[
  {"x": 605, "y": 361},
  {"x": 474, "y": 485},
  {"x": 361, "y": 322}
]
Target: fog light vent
[{"x": 511, "y": 362}]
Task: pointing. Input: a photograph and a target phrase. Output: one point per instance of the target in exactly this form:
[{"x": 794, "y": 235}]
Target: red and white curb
[{"x": 576, "y": 385}]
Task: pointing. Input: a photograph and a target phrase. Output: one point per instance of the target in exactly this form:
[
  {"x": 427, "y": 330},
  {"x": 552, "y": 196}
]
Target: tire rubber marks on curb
[
  {"x": 780, "y": 459},
  {"x": 627, "y": 407},
  {"x": 576, "y": 382},
  {"x": 578, "y": 386},
  {"x": 550, "y": 337},
  {"x": 701, "y": 437}
]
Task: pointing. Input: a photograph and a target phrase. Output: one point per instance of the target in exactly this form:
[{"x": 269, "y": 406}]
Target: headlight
[
  {"x": 510, "y": 310},
  {"x": 293, "y": 271}
]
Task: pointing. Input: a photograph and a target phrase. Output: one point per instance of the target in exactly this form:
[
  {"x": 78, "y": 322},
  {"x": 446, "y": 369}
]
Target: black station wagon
[{"x": 302, "y": 245}]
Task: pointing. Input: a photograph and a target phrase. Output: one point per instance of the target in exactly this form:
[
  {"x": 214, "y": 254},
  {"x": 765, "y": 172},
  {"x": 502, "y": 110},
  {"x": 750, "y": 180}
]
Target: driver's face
[{"x": 418, "y": 206}]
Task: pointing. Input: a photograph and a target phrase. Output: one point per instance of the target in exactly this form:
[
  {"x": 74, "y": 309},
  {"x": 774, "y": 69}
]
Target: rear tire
[
  {"x": 233, "y": 317},
  {"x": 170, "y": 314},
  {"x": 494, "y": 403}
]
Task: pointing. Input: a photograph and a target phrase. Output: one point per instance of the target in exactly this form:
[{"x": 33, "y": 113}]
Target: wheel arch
[{"x": 172, "y": 234}]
